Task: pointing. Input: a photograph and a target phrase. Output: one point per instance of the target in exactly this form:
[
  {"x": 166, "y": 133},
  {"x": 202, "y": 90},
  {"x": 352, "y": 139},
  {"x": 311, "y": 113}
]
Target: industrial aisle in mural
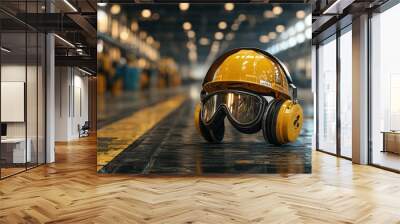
[{"x": 193, "y": 89}]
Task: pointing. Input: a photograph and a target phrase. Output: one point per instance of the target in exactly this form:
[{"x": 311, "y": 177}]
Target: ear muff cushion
[
  {"x": 214, "y": 134},
  {"x": 266, "y": 121},
  {"x": 217, "y": 132},
  {"x": 269, "y": 121},
  {"x": 274, "y": 119}
]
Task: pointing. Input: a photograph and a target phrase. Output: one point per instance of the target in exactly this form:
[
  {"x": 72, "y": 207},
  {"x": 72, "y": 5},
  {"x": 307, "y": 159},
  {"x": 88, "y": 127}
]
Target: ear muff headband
[{"x": 221, "y": 59}]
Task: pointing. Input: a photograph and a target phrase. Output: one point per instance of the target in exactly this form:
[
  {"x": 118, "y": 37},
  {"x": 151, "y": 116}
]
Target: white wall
[{"x": 71, "y": 102}]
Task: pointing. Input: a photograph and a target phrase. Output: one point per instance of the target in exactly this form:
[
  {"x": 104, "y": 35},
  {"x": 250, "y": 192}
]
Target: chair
[{"x": 84, "y": 130}]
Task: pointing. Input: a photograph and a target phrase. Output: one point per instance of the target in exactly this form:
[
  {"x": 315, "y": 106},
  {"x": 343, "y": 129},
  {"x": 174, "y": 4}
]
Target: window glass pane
[
  {"x": 327, "y": 97},
  {"x": 345, "y": 94},
  {"x": 385, "y": 84},
  {"x": 31, "y": 97},
  {"x": 41, "y": 98},
  {"x": 14, "y": 153}
]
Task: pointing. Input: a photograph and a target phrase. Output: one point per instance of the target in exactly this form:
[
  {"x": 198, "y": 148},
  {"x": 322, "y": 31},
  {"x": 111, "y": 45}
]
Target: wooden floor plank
[{"x": 70, "y": 191}]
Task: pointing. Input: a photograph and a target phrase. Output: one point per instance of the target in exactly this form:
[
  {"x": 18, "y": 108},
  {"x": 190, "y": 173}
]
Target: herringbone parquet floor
[{"x": 70, "y": 191}]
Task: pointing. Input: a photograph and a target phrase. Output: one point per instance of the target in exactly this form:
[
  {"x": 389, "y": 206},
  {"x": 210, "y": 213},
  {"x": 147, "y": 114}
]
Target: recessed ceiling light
[
  {"x": 5, "y": 50},
  {"x": 70, "y": 5},
  {"x": 102, "y": 4},
  {"x": 64, "y": 40}
]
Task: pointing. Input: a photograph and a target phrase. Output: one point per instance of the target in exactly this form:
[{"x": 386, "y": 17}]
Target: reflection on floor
[
  {"x": 70, "y": 191},
  {"x": 173, "y": 146},
  {"x": 11, "y": 169},
  {"x": 386, "y": 159}
]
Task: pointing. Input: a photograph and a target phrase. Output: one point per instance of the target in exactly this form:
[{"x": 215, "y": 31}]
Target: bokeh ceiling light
[
  {"x": 191, "y": 46},
  {"x": 229, "y": 6},
  {"x": 235, "y": 27},
  {"x": 272, "y": 35},
  {"x": 146, "y": 13},
  {"x": 219, "y": 36},
  {"x": 269, "y": 14},
  {"x": 187, "y": 26},
  {"x": 280, "y": 28},
  {"x": 222, "y": 25},
  {"x": 277, "y": 10},
  {"x": 150, "y": 40},
  {"x": 204, "y": 41},
  {"x": 230, "y": 36},
  {"x": 155, "y": 16},
  {"x": 184, "y": 6},
  {"x": 142, "y": 34},
  {"x": 115, "y": 9},
  {"x": 124, "y": 35},
  {"x": 300, "y": 26},
  {"x": 191, "y": 34},
  {"x": 264, "y": 39},
  {"x": 134, "y": 26},
  {"x": 300, "y": 38},
  {"x": 308, "y": 33},
  {"x": 308, "y": 20},
  {"x": 300, "y": 14},
  {"x": 102, "y": 4},
  {"x": 242, "y": 17}
]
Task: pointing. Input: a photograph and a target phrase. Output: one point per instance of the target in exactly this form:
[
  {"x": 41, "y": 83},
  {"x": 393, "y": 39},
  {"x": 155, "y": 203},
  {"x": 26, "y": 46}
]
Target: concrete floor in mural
[{"x": 172, "y": 146}]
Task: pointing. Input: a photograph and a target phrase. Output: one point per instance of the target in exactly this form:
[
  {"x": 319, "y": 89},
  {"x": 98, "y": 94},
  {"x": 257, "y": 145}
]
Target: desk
[
  {"x": 391, "y": 141},
  {"x": 17, "y": 150}
]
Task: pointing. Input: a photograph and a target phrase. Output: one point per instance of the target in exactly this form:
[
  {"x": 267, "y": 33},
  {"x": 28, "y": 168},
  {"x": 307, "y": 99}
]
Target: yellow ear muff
[{"x": 289, "y": 122}]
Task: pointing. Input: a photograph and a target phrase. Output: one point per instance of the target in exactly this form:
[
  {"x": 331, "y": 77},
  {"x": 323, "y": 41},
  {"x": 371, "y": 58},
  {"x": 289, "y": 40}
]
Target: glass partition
[
  {"x": 326, "y": 136},
  {"x": 346, "y": 93},
  {"x": 14, "y": 151},
  {"x": 385, "y": 89},
  {"x": 22, "y": 90}
]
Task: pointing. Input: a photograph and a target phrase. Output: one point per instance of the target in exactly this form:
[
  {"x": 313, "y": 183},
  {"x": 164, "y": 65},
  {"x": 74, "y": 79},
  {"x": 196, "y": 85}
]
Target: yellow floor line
[{"x": 127, "y": 130}]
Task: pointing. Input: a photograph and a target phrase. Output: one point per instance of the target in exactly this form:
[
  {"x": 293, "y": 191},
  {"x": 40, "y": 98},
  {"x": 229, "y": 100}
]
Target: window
[
  {"x": 346, "y": 93},
  {"x": 327, "y": 96},
  {"x": 385, "y": 89}
]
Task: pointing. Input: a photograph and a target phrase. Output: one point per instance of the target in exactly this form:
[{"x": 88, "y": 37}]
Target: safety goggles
[{"x": 243, "y": 109}]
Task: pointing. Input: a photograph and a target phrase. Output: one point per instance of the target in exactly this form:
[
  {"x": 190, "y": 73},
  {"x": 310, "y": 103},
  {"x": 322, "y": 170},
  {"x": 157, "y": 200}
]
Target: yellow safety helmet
[
  {"x": 258, "y": 72},
  {"x": 251, "y": 69}
]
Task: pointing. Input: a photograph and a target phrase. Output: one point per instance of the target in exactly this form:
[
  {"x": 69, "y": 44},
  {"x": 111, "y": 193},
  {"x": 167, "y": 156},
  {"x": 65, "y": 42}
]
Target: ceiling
[
  {"x": 73, "y": 20},
  {"x": 167, "y": 26}
]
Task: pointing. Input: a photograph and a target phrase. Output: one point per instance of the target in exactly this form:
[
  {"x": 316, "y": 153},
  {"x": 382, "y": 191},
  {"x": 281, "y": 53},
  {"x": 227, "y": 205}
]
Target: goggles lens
[{"x": 244, "y": 108}]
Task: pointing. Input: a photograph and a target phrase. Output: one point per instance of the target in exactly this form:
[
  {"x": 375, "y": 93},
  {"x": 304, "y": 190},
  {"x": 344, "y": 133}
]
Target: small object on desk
[
  {"x": 391, "y": 141},
  {"x": 16, "y": 152}
]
